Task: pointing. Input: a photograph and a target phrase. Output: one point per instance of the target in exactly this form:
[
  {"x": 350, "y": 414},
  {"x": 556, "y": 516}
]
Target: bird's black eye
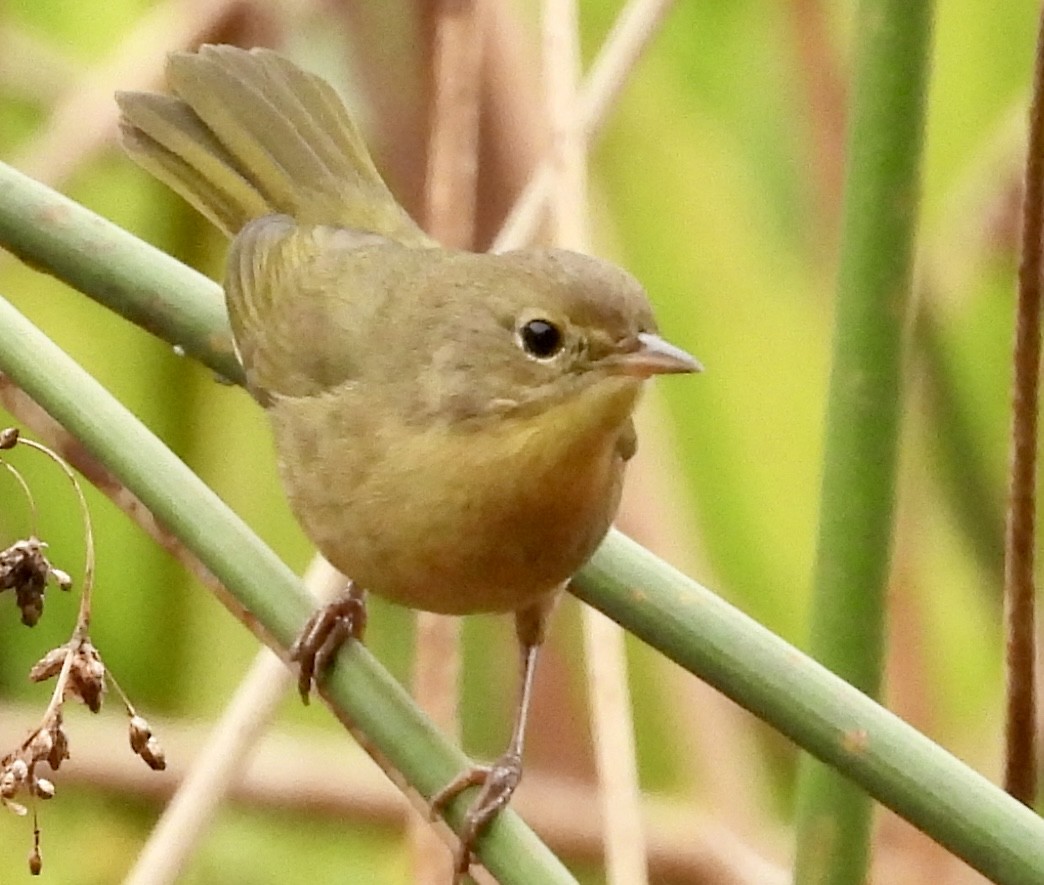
[{"x": 540, "y": 338}]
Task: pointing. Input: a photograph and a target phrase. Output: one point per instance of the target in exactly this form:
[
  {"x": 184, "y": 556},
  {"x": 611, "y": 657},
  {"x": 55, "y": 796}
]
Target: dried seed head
[
  {"x": 43, "y": 788},
  {"x": 60, "y": 748},
  {"x": 35, "y": 861},
  {"x": 16, "y": 775},
  {"x": 13, "y": 777},
  {"x": 25, "y": 569},
  {"x": 154, "y": 756},
  {"x": 87, "y": 676},
  {"x": 8, "y": 437},
  {"x": 22, "y": 556},
  {"x": 49, "y": 665},
  {"x": 139, "y": 732},
  {"x": 41, "y": 745},
  {"x": 145, "y": 744},
  {"x": 17, "y": 769}
]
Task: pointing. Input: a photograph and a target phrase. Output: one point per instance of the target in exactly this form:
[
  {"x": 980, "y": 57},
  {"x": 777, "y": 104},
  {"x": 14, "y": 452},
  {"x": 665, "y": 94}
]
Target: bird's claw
[
  {"x": 327, "y": 629},
  {"x": 498, "y": 782}
]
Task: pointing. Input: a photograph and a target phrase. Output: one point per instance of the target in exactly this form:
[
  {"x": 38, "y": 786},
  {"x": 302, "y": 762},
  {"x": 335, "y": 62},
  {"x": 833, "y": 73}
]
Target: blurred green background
[{"x": 717, "y": 181}]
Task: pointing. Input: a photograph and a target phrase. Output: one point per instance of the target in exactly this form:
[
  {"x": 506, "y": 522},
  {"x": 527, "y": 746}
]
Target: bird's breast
[{"x": 454, "y": 518}]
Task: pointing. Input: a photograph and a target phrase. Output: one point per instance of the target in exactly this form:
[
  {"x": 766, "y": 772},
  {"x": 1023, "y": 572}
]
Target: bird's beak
[{"x": 654, "y": 356}]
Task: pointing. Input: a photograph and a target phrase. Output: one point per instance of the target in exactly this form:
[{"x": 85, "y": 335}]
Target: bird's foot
[
  {"x": 328, "y": 628},
  {"x": 498, "y": 782}
]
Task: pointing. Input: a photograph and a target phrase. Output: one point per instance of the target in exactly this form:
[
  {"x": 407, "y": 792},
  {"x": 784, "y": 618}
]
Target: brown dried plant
[{"x": 76, "y": 664}]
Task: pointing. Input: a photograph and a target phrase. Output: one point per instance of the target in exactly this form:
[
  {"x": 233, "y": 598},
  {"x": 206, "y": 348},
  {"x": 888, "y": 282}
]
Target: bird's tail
[{"x": 247, "y": 133}]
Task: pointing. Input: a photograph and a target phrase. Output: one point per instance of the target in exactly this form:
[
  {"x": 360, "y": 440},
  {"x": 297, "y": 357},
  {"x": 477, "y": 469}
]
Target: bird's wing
[{"x": 304, "y": 300}]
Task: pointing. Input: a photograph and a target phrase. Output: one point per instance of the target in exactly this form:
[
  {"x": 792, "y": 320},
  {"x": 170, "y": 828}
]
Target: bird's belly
[{"x": 451, "y": 521}]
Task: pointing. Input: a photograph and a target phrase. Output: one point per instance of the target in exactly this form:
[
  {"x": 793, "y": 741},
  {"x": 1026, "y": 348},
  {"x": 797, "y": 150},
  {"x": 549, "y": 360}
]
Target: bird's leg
[
  {"x": 499, "y": 779},
  {"x": 329, "y": 627}
]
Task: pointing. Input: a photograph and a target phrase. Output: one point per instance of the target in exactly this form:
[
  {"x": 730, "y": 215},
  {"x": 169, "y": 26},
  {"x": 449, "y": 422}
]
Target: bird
[{"x": 451, "y": 427}]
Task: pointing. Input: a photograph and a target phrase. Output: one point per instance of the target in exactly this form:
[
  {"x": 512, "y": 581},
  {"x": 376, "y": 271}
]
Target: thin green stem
[{"x": 864, "y": 407}]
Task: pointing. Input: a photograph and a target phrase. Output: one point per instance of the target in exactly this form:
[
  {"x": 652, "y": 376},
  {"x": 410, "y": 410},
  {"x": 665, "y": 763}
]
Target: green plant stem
[
  {"x": 54, "y": 234},
  {"x": 864, "y": 407},
  {"x": 820, "y": 712},
  {"x": 362, "y": 693}
]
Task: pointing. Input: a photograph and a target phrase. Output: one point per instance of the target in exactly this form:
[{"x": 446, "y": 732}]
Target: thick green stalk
[
  {"x": 819, "y": 711},
  {"x": 54, "y": 234},
  {"x": 864, "y": 406},
  {"x": 688, "y": 623}
]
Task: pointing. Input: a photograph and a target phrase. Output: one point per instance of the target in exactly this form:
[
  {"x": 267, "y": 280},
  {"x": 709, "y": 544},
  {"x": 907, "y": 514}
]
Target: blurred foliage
[{"x": 716, "y": 184}]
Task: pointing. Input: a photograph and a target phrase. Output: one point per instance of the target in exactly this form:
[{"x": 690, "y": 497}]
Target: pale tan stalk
[
  {"x": 634, "y": 29},
  {"x": 611, "y": 720},
  {"x": 450, "y": 195}
]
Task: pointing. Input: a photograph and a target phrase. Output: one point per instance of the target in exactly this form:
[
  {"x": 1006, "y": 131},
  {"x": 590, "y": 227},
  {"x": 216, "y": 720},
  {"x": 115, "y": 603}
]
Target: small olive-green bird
[{"x": 452, "y": 427}]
